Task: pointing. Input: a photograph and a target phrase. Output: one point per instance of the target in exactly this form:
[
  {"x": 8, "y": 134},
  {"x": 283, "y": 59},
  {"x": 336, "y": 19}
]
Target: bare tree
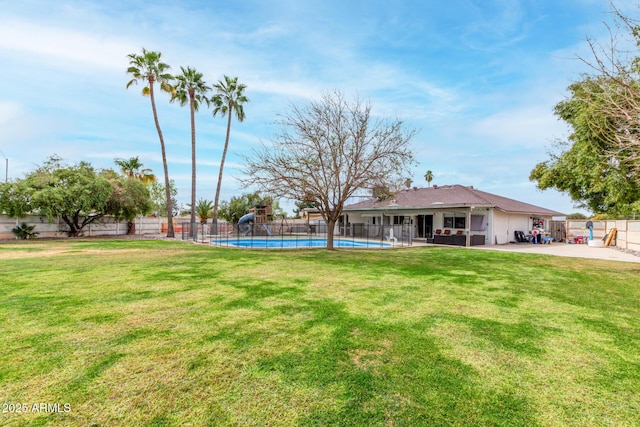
[
  {"x": 615, "y": 90},
  {"x": 326, "y": 151}
]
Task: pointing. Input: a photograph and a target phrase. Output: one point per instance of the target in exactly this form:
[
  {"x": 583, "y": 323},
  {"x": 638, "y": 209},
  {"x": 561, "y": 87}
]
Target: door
[{"x": 425, "y": 226}]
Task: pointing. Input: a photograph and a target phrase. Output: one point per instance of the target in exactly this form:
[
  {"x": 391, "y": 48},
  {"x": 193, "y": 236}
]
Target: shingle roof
[{"x": 450, "y": 196}]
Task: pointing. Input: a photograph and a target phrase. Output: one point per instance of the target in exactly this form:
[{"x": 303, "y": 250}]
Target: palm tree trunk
[
  {"x": 214, "y": 222},
  {"x": 192, "y": 232},
  {"x": 170, "y": 232}
]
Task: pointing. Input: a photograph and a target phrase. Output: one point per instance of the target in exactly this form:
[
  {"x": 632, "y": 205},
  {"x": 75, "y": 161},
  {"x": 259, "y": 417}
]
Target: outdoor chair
[
  {"x": 438, "y": 231},
  {"x": 447, "y": 232},
  {"x": 459, "y": 233},
  {"x": 520, "y": 237}
]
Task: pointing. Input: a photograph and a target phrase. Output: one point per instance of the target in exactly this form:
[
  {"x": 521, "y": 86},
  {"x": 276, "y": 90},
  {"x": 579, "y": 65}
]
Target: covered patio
[{"x": 450, "y": 215}]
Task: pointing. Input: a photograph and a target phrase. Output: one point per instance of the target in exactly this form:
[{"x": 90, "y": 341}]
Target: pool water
[{"x": 296, "y": 243}]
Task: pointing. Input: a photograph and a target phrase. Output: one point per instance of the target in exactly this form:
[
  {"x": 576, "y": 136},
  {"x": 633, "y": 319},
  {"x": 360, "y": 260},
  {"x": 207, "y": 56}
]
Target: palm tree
[
  {"x": 429, "y": 177},
  {"x": 229, "y": 97},
  {"x": 203, "y": 209},
  {"x": 191, "y": 89},
  {"x": 148, "y": 69},
  {"x": 133, "y": 169}
]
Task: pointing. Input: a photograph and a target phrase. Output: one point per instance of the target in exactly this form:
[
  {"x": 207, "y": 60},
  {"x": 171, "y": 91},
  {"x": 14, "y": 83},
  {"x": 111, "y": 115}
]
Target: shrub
[{"x": 25, "y": 231}]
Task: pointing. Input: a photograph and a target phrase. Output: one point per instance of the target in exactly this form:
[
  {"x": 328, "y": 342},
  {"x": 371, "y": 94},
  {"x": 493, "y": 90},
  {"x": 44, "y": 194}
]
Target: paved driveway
[{"x": 564, "y": 249}]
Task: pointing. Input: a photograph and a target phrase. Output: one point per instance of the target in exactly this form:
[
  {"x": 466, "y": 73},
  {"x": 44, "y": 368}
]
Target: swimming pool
[{"x": 280, "y": 243}]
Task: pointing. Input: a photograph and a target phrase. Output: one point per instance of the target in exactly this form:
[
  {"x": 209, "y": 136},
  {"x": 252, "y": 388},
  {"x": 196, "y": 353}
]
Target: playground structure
[{"x": 260, "y": 215}]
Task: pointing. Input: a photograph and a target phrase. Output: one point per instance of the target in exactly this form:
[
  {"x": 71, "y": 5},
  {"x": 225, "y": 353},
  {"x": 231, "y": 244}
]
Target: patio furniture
[{"x": 520, "y": 237}]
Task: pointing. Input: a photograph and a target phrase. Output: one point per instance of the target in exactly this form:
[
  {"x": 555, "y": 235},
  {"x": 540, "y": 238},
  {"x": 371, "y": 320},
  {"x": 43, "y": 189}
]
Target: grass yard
[{"x": 158, "y": 333}]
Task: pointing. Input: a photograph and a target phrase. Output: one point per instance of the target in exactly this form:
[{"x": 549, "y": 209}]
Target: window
[
  {"x": 477, "y": 223},
  {"x": 453, "y": 221},
  {"x": 448, "y": 222},
  {"x": 398, "y": 219},
  {"x": 538, "y": 223}
]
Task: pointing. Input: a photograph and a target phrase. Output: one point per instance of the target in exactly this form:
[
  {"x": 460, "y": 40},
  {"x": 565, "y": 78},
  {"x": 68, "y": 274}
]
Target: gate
[{"x": 558, "y": 230}]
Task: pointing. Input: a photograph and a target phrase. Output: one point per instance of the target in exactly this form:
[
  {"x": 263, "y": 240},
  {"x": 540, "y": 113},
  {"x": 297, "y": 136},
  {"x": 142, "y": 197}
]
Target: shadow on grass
[{"x": 382, "y": 373}]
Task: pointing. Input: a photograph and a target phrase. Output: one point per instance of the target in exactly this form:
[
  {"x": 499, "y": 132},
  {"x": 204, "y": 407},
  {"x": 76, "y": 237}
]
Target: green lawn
[{"x": 156, "y": 333}]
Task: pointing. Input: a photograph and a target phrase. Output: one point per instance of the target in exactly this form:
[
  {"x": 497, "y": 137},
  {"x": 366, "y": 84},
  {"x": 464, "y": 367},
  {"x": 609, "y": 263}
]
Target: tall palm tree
[
  {"x": 192, "y": 90},
  {"x": 229, "y": 98},
  {"x": 148, "y": 69},
  {"x": 428, "y": 176},
  {"x": 133, "y": 168}
]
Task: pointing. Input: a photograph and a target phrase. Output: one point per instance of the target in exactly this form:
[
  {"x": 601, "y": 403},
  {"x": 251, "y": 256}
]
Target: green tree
[
  {"x": 133, "y": 168},
  {"x": 613, "y": 90},
  {"x": 15, "y": 198},
  {"x": 585, "y": 166},
  {"x": 304, "y": 204},
  {"x": 576, "y": 215},
  {"x": 149, "y": 69},
  {"x": 159, "y": 199},
  {"x": 233, "y": 210},
  {"x": 191, "y": 89},
  {"x": 229, "y": 98},
  {"x": 130, "y": 198},
  {"x": 327, "y": 151},
  {"x": 428, "y": 176},
  {"x": 204, "y": 209},
  {"x": 77, "y": 193}
]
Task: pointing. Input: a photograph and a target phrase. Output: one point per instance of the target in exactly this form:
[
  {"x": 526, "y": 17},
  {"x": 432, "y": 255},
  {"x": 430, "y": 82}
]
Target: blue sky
[{"x": 477, "y": 78}]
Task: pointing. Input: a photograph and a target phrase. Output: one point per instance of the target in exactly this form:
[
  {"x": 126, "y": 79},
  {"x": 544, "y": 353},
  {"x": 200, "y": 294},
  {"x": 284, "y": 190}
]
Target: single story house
[{"x": 449, "y": 214}]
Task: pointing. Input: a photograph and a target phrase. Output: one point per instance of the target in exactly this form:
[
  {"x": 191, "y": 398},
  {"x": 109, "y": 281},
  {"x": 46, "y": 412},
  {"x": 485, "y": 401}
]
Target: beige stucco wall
[
  {"x": 106, "y": 226},
  {"x": 627, "y": 231}
]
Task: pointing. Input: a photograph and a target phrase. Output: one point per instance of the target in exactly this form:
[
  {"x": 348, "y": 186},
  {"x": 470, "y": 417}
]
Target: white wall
[{"x": 505, "y": 224}]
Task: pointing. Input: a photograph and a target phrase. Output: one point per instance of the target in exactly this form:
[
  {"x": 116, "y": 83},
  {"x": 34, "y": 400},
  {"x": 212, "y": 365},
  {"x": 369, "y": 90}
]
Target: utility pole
[{"x": 6, "y": 167}]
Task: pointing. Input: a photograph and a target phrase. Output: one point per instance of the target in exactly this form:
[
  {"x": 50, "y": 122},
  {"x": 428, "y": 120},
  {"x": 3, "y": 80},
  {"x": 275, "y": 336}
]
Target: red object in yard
[
  {"x": 578, "y": 240},
  {"x": 176, "y": 228}
]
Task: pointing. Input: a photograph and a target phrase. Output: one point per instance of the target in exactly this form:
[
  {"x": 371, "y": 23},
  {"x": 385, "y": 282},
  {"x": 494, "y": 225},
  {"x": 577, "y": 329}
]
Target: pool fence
[{"x": 296, "y": 233}]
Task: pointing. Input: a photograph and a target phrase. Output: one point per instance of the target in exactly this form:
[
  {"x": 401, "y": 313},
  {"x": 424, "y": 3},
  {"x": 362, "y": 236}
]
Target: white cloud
[
  {"x": 528, "y": 126},
  {"x": 62, "y": 47}
]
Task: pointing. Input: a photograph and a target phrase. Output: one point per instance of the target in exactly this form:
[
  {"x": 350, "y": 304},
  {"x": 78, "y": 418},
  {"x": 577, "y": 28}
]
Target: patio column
[{"x": 468, "y": 227}]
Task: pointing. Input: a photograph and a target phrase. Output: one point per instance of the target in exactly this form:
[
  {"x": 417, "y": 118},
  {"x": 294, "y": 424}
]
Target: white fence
[
  {"x": 627, "y": 231},
  {"x": 106, "y": 226}
]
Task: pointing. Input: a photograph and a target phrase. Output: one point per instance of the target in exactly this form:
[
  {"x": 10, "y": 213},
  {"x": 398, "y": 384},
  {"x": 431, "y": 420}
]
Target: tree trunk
[
  {"x": 131, "y": 228},
  {"x": 331, "y": 224},
  {"x": 170, "y": 232},
  {"x": 193, "y": 165},
  {"x": 73, "y": 229},
  {"x": 214, "y": 221}
]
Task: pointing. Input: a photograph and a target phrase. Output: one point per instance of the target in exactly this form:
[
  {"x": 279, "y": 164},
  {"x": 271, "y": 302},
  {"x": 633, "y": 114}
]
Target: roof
[{"x": 450, "y": 196}]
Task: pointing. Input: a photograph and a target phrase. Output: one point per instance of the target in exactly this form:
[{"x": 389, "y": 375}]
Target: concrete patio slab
[{"x": 567, "y": 250}]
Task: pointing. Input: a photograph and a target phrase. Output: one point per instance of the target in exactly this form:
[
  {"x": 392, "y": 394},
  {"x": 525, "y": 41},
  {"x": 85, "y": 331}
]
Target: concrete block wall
[
  {"x": 627, "y": 231},
  {"x": 106, "y": 226}
]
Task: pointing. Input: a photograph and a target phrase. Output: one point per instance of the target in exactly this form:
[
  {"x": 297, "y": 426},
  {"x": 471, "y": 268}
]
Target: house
[{"x": 462, "y": 215}]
